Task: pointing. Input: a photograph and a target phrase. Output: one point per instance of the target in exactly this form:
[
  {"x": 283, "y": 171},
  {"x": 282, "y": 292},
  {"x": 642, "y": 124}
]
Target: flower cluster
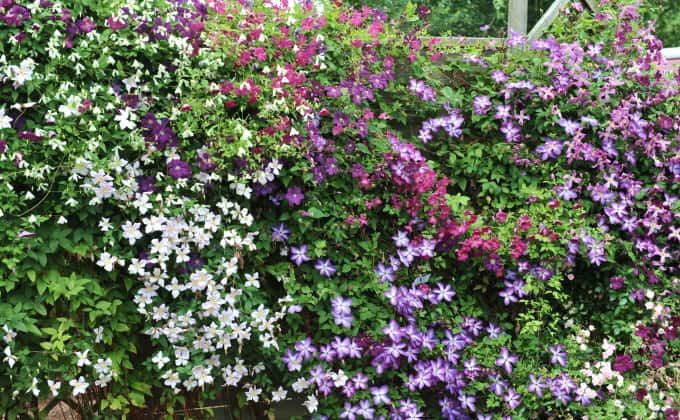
[{"x": 267, "y": 196}]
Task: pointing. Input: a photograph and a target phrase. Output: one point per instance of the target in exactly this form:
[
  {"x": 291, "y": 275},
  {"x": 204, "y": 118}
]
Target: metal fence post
[{"x": 518, "y": 16}]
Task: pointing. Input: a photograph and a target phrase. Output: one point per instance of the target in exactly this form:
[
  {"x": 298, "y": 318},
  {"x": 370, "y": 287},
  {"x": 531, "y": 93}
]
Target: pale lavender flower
[
  {"x": 558, "y": 355},
  {"x": 506, "y": 360},
  {"x": 481, "y": 104},
  {"x": 380, "y": 395},
  {"x": 512, "y": 398},
  {"x": 299, "y": 255}
]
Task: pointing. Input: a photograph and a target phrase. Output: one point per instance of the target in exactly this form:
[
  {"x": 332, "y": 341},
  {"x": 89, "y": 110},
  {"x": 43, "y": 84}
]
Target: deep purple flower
[
  {"x": 86, "y": 25},
  {"x": 179, "y": 169},
  {"x": 543, "y": 273},
  {"x": 146, "y": 184},
  {"x": 623, "y": 363},
  {"x": 299, "y": 255},
  {"x": 325, "y": 267},
  {"x": 294, "y": 196}
]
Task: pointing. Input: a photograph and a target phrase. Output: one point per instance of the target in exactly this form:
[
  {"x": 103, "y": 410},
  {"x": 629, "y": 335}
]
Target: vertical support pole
[{"x": 518, "y": 11}]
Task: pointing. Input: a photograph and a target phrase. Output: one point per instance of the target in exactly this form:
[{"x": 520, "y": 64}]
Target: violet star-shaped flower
[
  {"x": 444, "y": 292},
  {"x": 385, "y": 274},
  {"x": 380, "y": 395},
  {"x": 536, "y": 384},
  {"x": 558, "y": 355},
  {"x": 280, "y": 233},
  {"x": 400, "y": 239},
  {"x": 325, "y": 267},
  {"x": 512, "y": 398},
  {"x": 506, "y": 360},
  {"x": 299, "y": 255}
]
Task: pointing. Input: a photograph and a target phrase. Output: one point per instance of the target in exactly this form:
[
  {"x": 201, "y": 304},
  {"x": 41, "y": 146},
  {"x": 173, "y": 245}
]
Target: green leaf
[{"x": 316, "y": 213}]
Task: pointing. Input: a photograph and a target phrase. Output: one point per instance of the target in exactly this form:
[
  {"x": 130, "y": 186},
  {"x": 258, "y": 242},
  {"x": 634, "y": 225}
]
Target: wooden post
[{"x": 517, "y": 16}]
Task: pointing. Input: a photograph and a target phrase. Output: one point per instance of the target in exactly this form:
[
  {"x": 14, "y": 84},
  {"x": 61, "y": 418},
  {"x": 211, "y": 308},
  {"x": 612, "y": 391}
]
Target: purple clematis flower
[
  {"x": 550, "y": 149},
  {"x": 299, "y": 255},
  {"x": 380, "y": 395},
  {"x": 325, "y": 267},
  {"x": 385, "y": 274},
  {"x": 506, "y": 360},
  {"x": 294, "y": 196},
  {"x": 536, "y": 384},
  {"x": 280, "y": 233},
  {"x": 512, "y": 398},
  {"x": 482, "y": 104},
  {"x": 179, "y": 169},
  {"x": 558, "y": 355}
]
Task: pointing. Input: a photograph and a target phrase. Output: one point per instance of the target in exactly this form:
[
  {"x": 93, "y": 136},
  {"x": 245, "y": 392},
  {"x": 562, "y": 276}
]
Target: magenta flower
[
  {"x": 616, "y": 283},
  {"x": 179, "y": 169}
]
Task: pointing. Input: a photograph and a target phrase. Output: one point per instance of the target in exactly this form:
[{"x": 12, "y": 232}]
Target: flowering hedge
[{"x": 262, "y": 200}]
